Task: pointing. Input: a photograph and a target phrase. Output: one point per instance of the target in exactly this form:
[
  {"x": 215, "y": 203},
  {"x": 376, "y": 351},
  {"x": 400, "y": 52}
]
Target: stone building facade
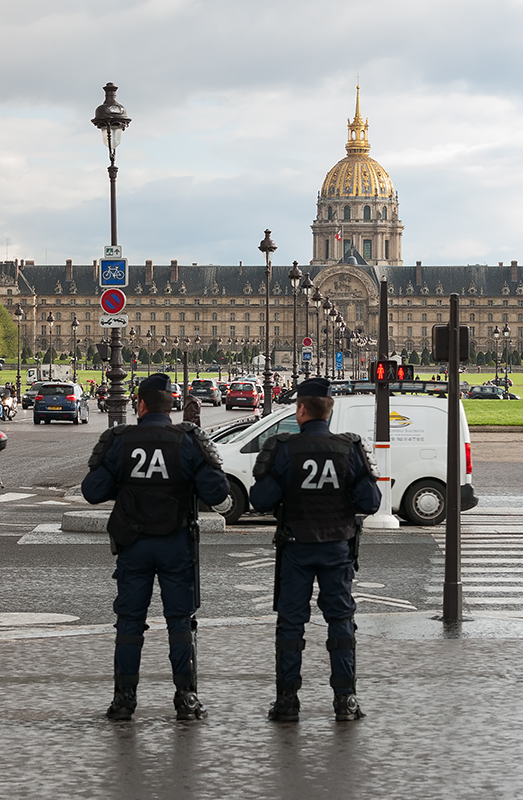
[{"x": 228, "y": 302}]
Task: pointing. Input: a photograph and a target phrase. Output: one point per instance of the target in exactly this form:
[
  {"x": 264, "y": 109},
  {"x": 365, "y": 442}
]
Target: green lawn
[{"x": 494, "y": 412}]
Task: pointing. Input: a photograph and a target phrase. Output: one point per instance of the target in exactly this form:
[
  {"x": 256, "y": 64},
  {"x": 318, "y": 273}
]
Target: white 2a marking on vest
[
  {"x": 328, "y": 475},
  {"x": 157, "y": 464}
]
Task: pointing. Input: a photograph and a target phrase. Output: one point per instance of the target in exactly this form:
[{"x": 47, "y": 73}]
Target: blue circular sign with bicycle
[{"x": 113, "y": 272}]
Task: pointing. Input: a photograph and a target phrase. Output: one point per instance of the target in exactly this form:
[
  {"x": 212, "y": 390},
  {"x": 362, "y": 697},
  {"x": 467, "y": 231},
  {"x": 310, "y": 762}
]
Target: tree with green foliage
[
  {"x": 143, "y": 356},
  {"x": 425, "y": 356},
  {"x": 480, "y": 358},
  {"x": 404, "y": 354},
  {"x": 158, "y": 357},
  {"x": 47, "y": 357},
  {"x": 414, "y": 358},
  {"x": 8, "y": 334}
]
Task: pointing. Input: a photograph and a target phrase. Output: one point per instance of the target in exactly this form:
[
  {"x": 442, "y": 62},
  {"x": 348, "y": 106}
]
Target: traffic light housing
[
  {"x": 405, "y": 372},
  {"x": 440, "y": 342},
  {"x": 383, "y": 371}
]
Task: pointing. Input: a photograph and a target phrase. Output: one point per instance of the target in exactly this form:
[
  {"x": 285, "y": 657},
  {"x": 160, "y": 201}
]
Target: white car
[{"x": 418, "y": 434}]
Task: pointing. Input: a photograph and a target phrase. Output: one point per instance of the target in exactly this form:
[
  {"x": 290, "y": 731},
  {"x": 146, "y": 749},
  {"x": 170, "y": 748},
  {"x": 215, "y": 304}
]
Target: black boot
[
  {"x": 124, "y": 703},
  {"x": 347, "y": 708},
  {"x": 286, "y": 708},
  {"x": 188, "y": 706}
]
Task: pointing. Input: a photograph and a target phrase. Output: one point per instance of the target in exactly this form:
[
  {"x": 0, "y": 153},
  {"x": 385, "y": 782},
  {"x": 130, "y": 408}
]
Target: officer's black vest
[
  {"x": 318, "y": 507},
  {"x": 153, "y": 499}
]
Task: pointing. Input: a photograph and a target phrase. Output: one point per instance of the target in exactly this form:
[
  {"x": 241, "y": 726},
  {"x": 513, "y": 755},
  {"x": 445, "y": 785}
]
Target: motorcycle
[
  {"x": 102, "y": 403},
  {"x": 8, "y": 407}
]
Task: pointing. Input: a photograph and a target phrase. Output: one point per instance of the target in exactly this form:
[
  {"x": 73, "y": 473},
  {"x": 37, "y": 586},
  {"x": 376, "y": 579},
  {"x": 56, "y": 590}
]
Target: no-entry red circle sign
[{"x": 113, "y": 301}]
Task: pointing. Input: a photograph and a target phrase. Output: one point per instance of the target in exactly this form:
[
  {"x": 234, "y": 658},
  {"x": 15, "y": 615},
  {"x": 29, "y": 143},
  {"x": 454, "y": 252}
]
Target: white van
[{"x": 418, "y": 435}]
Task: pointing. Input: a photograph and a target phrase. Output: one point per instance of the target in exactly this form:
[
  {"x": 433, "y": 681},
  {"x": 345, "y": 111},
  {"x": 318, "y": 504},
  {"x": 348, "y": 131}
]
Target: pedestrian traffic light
[
  {"x": 440, "y": 342},
  {"x": 405, "y": 372},
  {"x": 383, "y": 371}
]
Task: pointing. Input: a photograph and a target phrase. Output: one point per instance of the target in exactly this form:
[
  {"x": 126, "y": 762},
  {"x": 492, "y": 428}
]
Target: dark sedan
[{"x": 28, "y": 398}]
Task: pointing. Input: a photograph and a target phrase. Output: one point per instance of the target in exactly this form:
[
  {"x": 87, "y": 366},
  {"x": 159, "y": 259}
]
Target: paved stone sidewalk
[{"x": 444, "y": 717}]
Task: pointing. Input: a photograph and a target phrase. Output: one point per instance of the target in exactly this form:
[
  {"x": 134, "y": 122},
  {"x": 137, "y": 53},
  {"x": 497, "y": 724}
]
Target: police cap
[
  {"x": 159, "y": 381},
  {"x": 315, "y": 387}
]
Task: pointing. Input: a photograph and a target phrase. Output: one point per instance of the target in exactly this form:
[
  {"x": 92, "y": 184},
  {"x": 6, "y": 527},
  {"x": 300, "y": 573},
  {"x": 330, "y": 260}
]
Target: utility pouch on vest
[
  {"x": 354, "y": 543},
  {"x": 142, "y": 513}
]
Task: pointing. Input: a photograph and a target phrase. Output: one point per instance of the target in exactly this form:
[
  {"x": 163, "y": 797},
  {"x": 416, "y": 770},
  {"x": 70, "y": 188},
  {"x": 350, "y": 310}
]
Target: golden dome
[{"x": 357, "y": 175}]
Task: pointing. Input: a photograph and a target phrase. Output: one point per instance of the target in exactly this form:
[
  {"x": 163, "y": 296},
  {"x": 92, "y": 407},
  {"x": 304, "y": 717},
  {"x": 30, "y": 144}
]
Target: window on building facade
[
  {"x": 489, "y": 332},
  {"x": 88, "y": 315},
  {"x": 391, "y": 317},
  {"x": 214, "y": 316},
  {"x": 58, "y": 315},
  {"x": 409, "y": 330},
  {"x": 88, "y": 301},
  {"x": 214, "y": 331},
  {"x": 233, "y": 317},
  {"x": 138, "y": 315},
  {"x": 44, "y": 330},
  {"x": 153, "y": 316},
  {"x": 58, "y": 301},
  {"x": 196, "y": 301},
  {"x": 520, "y": 302},
  {"x": 386, "y": 249},
  {"x": 326, "y": 248},
  {"x": 138, "y": 301},
  {"x": 276, "y": 330},
  {"x": 410, "y": 346},
  {"x": 262, "y": 317},
  {"x": 490, "y": 317},
  {"x": 505, "y": 318},
  {"x": 247, "y": 330},
  {"x": 43, "y": 301},
  {"x": 366, "y": 212},
  {"x": 262, "y": 330},
  {"x": 181, "y": 301},
  {"x": 505, "y": 303},
  {"x": 233, "y": 302},
  {"x": 346, "y": 212},
  {"x": 214, "y": 301},
  {"x": 87, "y": 330},
  {"x": 424, "y": 301},
  {"x": 367, "y": 249},
  {"x": 232, "y": 330},
  {"x": 196, "y": 316},
  {"x": 359, "y": 306},
  {"x": 438, "y": 317},
  {"x": 409, "y": 317},
  {"x": 490, "y": 302},
  {"x": 182, "y": 330},
  {"x": 276, "y": 301},
  {"x": 276, "y": 317},
  {"x": 439, "y": 302},
  {"x": 423, "y": 317},
  {"x": 409, "y": 302},
  {"x": 520, "y": 317},
  {"x": 167, "y": 316},
  {"x": 43, "y": 315},
  {"x": 423, "y": 330},
  {"x": 472, "y": 317},
  {"x": 58, "y": 330},
  {"x": 167, "y": 301},
  {"x": 138, "y": 329},
  {"x": 384, "y": 212},
  {"x": 153, "y": 330},
  {"x": 247, "y": 317},
  {"x": 472, "y": 330},
  {"x": 196, "y": 329},
  {"x": 73, "y": 301},
  {"x": 329, "y": 212},
  {"x": 472, "y": 302},
  {"x": 182, "y": 316},
  {"x": 152, "y": 301},
  {"x": 520, "y": 334},
  {"x": 167, "y": 330},
  {"x": 391, "y": 329}
]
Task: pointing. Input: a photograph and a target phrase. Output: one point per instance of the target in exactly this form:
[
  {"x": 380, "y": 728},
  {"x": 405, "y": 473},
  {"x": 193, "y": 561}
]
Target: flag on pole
[{"x": 338, "y": 236}]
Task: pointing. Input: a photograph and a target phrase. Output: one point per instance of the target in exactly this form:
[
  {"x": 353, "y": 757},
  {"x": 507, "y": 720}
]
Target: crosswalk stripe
[{"x": 8, "y": 496}]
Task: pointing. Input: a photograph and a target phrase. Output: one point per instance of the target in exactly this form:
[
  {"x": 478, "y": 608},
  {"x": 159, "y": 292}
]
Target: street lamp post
[
  {"x": 148, "y": 336},
  {"x": 333, "y": 313},
  {"x": 186, "y": 343},
  {"x": 220, "y": 342},
  {"x": 327, "y": 306},
  {"x": 339, "y": 322},
  {"x": 132, "y": 334},
  {"x": 307, "y": 286},
  {"x": 175, "y": 345},
  {"x": 163, "y": 342},
  {"x": 317, "y": 299},
  {"x": 74, "y": 326},
  {"x": 111, "y": 119},
  {"x": 496, "y": 334},
  {"x": 267, "y": 247},
  {"x": 506, "y": 337},
  {"x": 50, "y": 320},
  {"x": 198, "y": 342},
  {"x": 18, "y": 314},
  {"x": 295, "y": 275},
  {"x": 229, "y": 358}
]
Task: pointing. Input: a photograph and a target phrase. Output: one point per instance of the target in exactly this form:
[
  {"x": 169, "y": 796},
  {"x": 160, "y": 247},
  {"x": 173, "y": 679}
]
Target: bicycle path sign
[{"x": 113, "y": 272}]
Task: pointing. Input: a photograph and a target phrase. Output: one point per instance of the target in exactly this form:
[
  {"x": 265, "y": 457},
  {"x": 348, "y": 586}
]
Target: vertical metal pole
[
  {"x": 116, "y": 400},
  {"x": 294, "y": 338},
  {"x": 185, "y": 377},
  {"x": 327, "y": 347},
  {"x": 18, "y": 376},
  {"x": 307, "y": 363},
  {"x": 50, "y": 351},
  {"x": 267, "y": 373},
  {"x": 452, "y": 589},
  {"x": 318, "y": 367}
]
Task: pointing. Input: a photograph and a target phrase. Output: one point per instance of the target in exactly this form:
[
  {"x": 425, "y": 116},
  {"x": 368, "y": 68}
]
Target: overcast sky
[{"x": 238, "y": 111}]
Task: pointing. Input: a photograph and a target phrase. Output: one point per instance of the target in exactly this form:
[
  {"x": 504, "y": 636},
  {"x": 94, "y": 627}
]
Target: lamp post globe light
[
  {"x": 18, "y": 314},
  {"x": 267, "y": 247},
  {"x": 74, "y": 326},
  {"x": 496, "y": 334},
  {"x": 111, "y": 119},
  {"x": 317, "y": 299},
  {"x": 295, "y": 276},
  {"x": 50, "y": 320},
  {"x": 506, "y": 337}
]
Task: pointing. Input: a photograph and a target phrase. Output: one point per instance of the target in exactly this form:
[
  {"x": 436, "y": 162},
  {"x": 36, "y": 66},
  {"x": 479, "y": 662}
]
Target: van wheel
[
  {"x": 238, "y": 504},
  {"x": 425, "y": 503}
]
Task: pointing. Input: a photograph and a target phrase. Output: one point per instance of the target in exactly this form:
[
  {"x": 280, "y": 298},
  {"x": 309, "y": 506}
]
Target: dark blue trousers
[
  {"x": 332, "y": 564},
  {"x": 170, "y": 558}
]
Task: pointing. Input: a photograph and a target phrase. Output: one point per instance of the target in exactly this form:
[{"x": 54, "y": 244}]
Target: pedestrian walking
[
  {"x": 191, "y": 409},
  {"x": 316, "y": 482},
  {"x": 155, "y": 471}
]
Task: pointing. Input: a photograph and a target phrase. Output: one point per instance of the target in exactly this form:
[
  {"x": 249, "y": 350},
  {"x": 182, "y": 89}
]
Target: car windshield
[
  {"x": 242, "y": 387},
  {"x": 56, "y": 389},
  {"x": 198, "y": 384}
]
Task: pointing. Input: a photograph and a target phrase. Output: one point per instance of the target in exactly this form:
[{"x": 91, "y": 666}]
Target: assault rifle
[{"x": 194, "y": 530}]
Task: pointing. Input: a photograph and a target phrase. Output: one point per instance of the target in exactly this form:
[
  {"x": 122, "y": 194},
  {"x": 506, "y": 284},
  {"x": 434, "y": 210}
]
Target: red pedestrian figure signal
[
  {"x": 405, "y": 372},
  {"x": 383, "y": 371}
]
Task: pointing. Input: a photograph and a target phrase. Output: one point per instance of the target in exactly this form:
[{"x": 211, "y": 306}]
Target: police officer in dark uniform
[
  {"x": 154, "y": 470},
  {"x": 316, "y": 482}
]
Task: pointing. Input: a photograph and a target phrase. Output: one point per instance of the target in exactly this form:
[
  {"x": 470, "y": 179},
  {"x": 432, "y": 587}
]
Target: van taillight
[{"x": 468, "y": 458}]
